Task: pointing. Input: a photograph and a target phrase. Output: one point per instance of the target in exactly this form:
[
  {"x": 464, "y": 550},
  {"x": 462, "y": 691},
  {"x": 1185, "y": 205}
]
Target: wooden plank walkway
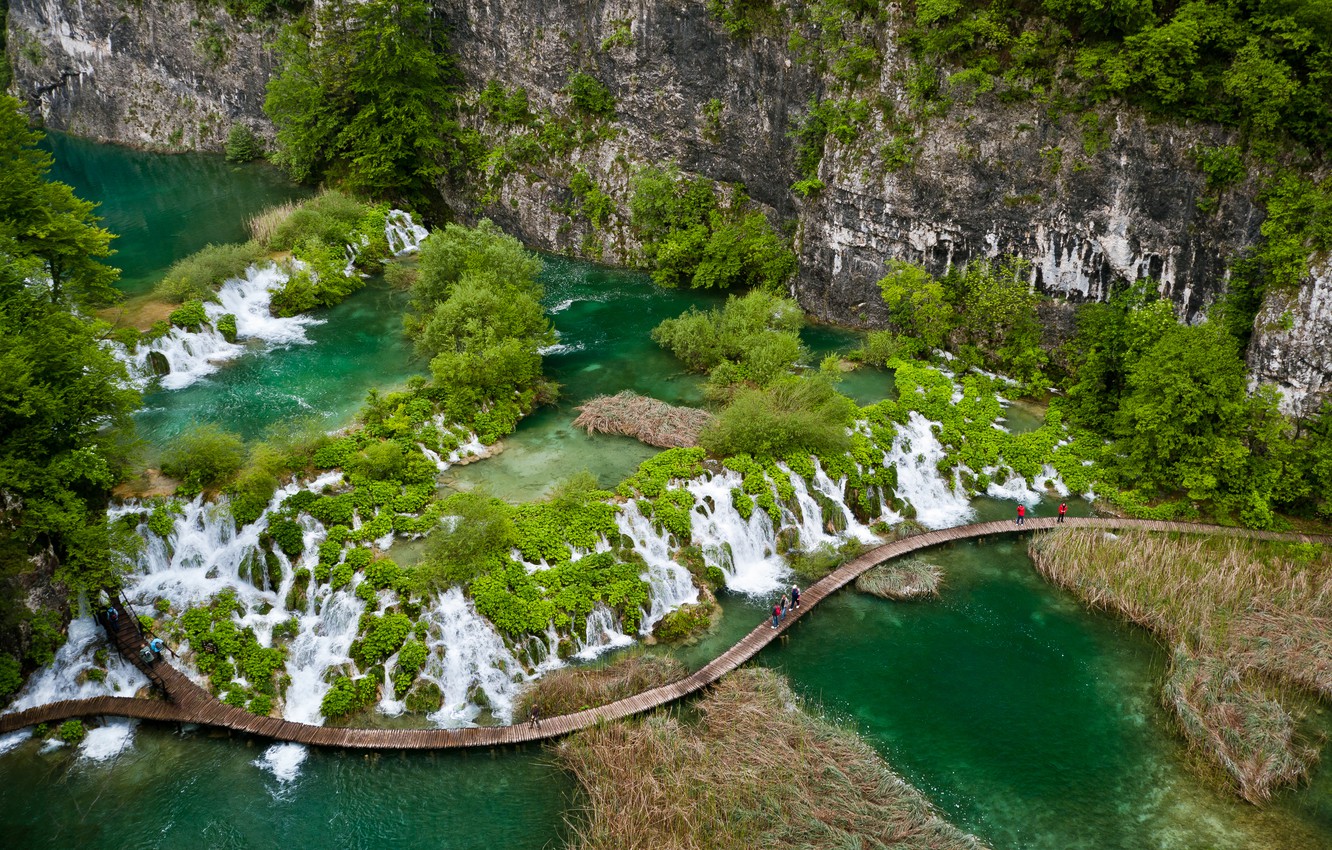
[{"x": 188, "y": 703}]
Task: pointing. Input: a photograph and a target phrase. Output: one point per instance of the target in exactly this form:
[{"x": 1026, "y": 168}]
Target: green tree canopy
[{"x": 364, "y": 97}]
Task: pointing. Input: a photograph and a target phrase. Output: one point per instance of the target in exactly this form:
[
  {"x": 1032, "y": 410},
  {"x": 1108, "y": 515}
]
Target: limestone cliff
[
  {"x": 174, "y": 74},
  {"x": 1087, "y": 200}
]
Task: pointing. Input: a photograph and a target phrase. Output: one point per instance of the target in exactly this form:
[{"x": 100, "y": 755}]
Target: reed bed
[
  {"x": 901, "y": 580},
  {"x": 753, "y": 771},
  {"x": 1250, "y": 624},
  {"x": 647, "y": 419},
  {"x": 264, "y": 226},
  {"x": 571, "y": 689}
]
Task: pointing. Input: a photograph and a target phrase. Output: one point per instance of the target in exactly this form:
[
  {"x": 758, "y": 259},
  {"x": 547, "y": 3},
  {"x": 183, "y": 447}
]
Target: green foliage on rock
[
  {"x": 367, "y": 104},
  {"x": 243, "y": 145},
  {"x": 348, "y": 696},
  {"x": 476, "y": 535},
  {"x": 689, "y": 236},
  {"x": 754, "y": 339},
  {"x": 190, "y": 316},
  {"x": 72, "y": 732},
  {"x": 197, "y": 276},
  {"x": 590, "y": 96},
  {"x": 224, "y": 652}
]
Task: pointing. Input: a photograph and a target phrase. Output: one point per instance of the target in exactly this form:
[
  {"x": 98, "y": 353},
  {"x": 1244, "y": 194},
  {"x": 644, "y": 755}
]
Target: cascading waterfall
[
  {"x": 192, "y": 355},
  {"x": 67, "y": 676},
  {"x": 601, "y": 634},
  {"x": 669, "y": 584},
  {"x": 835, "y": 492},
  {"x": 916, "y": 453},
  {"x": 469, "y": 660},
  {"x": 744, "y": 550}
]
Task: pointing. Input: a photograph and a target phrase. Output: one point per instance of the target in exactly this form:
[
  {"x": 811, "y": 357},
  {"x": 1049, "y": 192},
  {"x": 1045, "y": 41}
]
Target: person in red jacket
[
  {"x": 776, "y": 614},
  {"x": 1022, "y": 514},
  {"x": 1063, "y": 509}
]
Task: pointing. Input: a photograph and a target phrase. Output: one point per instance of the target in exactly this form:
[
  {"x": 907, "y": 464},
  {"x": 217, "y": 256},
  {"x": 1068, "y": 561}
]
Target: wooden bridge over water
[{"x": 186, "y": 702}]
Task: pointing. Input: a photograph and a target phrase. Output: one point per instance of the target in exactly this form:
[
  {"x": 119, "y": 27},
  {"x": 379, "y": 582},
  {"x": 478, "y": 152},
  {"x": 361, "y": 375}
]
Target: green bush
[
  {"x": 688, "y": 236},
  {"x": 476, "y": 534},
  {"x": 348, "y": 696},
  {"x": 792, "y": 415},
  {"x": 190, "y": 316},
  {"x": 226, "y": 325},
  {"x": 198, "y": 275},
  {"x": 72, "y": 731},
  {"x": 754, "y": 338},
  {"x": 204, "y": 456},
  {"x": 243, "y": 145},
  {"x": 589, "y": 96},
  {"x": 11, "y": 675},
  {"x": 682, "y": 623}
]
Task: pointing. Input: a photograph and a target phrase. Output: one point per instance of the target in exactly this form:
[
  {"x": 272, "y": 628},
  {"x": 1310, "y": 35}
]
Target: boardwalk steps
[{"x": 186, "y": 702}]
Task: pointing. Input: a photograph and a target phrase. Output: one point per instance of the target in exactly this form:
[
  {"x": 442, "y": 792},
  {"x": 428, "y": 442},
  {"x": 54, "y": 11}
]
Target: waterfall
[
  {"x": 835, "y": 491},
  {"x": 324, "y": 641},
  {"x": 108, "y": 740},
  {"x": 193, "y": 355},
  {"x": 404, "y": 235},
  {"x": 916, "y": 453},
  {"x": 66, "y": 677},
  {"x": 468, "y": 660},
  {"x": 744, "y": 550},
  {"x": 602, "y": 633},
  {"x": 669, "y": 584}
]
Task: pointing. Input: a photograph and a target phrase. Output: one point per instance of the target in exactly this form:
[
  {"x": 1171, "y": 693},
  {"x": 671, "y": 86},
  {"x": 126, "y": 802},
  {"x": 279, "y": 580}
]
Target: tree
[
  {"x": 46, "y": 221},
  {"x": 917, "y": 303},
  {"x": 364, "y": 96}
]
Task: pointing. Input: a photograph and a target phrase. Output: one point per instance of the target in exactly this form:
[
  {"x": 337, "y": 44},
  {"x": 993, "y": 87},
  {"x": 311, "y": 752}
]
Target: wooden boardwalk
[{"x": 186, "y": 702}]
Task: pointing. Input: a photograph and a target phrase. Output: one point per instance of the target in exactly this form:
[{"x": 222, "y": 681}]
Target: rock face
[
  {"x": 1086, "y": 200},
  {"x": 1290, "y": 347},
  {"x": 174, "y": 75}
]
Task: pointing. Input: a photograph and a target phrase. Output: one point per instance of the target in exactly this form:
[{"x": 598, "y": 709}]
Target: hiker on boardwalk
[
  {"x": 534, "y": 715},
  {"x": 112, "y": 615},
  {"x": 786, "y": 605},
  {"x": 156, "y": 646},
  {"x": 1022, "y": 514},
  {"x": 776, "y": 615},
  {"x": 795, "y": 596},
  {"x": 1063, "y": 509}
]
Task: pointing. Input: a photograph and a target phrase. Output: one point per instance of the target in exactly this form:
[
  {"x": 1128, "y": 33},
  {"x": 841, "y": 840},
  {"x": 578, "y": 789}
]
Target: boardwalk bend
[{"x": 186, "y": 702}]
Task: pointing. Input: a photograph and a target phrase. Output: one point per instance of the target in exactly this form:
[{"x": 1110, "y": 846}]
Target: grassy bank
[
  {"x": 571, "y": 689},
  {"x": 754, "y": 771},
  {"x": 903, "y": 580},
  {"x": 1249, "y": 624}
]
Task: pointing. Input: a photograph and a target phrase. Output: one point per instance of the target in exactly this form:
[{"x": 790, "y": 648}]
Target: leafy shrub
[
  {"x": 198, "y": 275},
  {"x": 754, "y": 338},
  {"x": 226, "y": 325},
  {"x": 476, "y": 535},
  {"x": 792, "y": 415},
  {"x": 348, "y": 696},
  {"x": 589, "y": 96},
  {"x": 204, "y": 456},
  {"x": 243, "y": 145},
  {"x": 190, "y": 316},
  {"x": 380, "y": 637},
  {"x": 682, "y": 623},
  {"x": 72, "y": 731}
]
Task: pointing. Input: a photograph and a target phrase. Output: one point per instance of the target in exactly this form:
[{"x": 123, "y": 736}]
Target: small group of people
[
  {"x": 788, "y": 601},
  {"x": 1022, "y": 514}
]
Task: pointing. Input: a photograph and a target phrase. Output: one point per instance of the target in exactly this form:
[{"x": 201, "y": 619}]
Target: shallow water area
[
  {"x": 1027, "y": 719},
  {"x": 174, "y": 790}
]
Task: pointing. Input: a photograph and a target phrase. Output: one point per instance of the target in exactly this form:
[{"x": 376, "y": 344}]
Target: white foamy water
[
  {"x": 404, "y": 235},
  {"x": 283, "y": 761},
  {"x": 469, "y": 658},
  {"x": 836, "y": 492},
  {"x": 67, "y": 676},
  {"x": 13, "y": 739},
  {"x": 669, "y": 584},
  {"x": 601, "y": 634},
  {"x": 916, "y": 453},
  {"x": 107, "y": 741},
  {"x": 744, "y": 550}
]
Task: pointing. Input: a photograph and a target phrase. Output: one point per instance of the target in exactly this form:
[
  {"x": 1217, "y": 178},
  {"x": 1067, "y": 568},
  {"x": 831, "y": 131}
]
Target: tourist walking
[
  {"x": 1022, "y": 514},
  {"x": 795, "y": 596},
  {"x": 786, "y": 604},
  {"x": 112, "y": 614},
  {"x": 534, "y": 716},
  {"x": 1063, "y": 509},
  {"x": 776, "y": 615},
  {"x": 156, "y": 645}
]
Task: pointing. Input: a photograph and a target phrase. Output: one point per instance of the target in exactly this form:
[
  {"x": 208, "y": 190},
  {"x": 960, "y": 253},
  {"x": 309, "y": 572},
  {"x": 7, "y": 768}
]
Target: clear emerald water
[{"x": 1026, "y": 718}]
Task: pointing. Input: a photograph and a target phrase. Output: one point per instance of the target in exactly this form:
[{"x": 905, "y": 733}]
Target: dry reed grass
[
  {"x": 571, "y": 689},
  {"x": 264, "y": 225},
  {"x": 647, "y": 419},
  {"x": 754, "y": 771},
  {"x": 901, "y": 580},
  {"x": 1248, "y": 620}
]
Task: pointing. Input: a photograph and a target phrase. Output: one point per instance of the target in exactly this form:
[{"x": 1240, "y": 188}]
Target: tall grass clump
[
  {"x": 329, "y": 216},
  {"x": 571, "y": 689},
  {"x": 753, "y": 771},
  {"x": 1249, "y": 623},
  {"x": 901, "y": 580},
  {"x": 198, "y": 275}
]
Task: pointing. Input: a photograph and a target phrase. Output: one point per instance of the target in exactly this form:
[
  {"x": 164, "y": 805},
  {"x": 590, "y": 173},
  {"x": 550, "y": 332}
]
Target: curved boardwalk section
[{"x": 188, "y": 703}]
